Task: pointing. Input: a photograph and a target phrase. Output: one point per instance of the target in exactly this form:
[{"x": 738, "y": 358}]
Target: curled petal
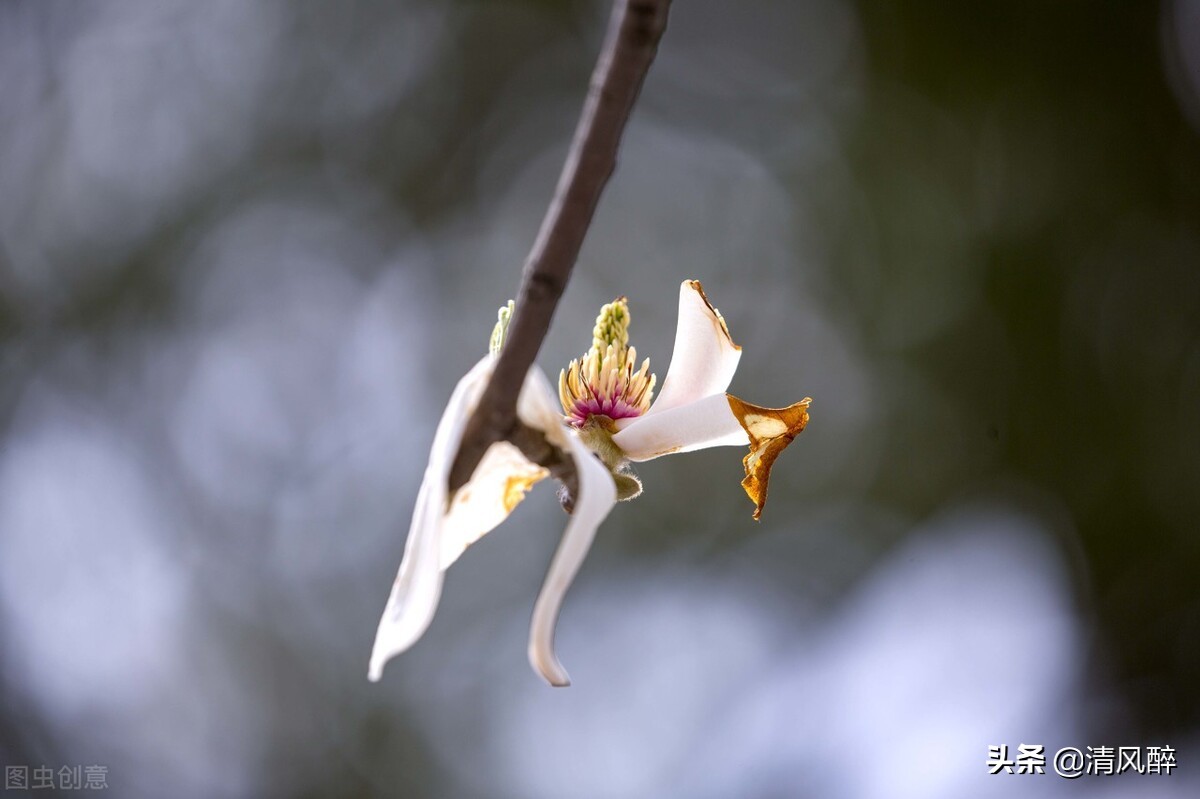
[
  {"x": 597, "y": 495},
  {"x": 704, "y": 358},
  {"x": 443, "y": 527},
  {"x": 497, "y": 486},
  {"x": 503, "y": 475},
  {"x": 709, "y": 422},
  {"x": 770, "y": 430},
  {"x": 418, "y": 585},
  {"x": 537, "y": 406}
]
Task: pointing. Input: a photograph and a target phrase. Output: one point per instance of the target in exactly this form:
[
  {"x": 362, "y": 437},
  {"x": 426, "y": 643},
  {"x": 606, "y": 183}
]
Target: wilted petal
[
  {"x": 597, "y": 495},
  {"x": 418, "y": 585},
  {"x": 704, "y": 358},
  {"x": 709, "y": 422},
  {"x": 442, "y": 529},
  {"x": 770, "y": 430},
  {"x": 503, "y": 475},
  {"x": 498, "y": 485},
  {"x": 717, "y": 421}
]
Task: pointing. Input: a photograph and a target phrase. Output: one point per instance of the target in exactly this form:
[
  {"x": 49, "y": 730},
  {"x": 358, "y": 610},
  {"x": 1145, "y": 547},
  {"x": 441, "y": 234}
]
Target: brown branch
[
  {"x": 535, "y": 447},
  {"x": 633, "y": 35}
]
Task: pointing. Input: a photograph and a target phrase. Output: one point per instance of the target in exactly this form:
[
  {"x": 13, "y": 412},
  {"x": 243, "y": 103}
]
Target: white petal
[
  {"x": 503, "y": 475},
  {"x": 704, "y": 358},
  {"x": 439, "y": 533},
  {"x": 538, "y": 407},
  {"x": 597, "y": 495},
  {"x": 709, "y": 422},
  {"x": 418, "y": 585},
  {"x": 497, "y": 486}
]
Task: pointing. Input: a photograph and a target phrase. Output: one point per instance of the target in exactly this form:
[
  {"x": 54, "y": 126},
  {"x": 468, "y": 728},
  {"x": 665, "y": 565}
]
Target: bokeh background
[{"x": 246, "y": 249}]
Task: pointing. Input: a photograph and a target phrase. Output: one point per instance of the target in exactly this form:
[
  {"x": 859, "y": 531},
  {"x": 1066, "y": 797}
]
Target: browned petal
[
  {"x": 770, "y": 431},
  {"x": 695, "y": 284}
]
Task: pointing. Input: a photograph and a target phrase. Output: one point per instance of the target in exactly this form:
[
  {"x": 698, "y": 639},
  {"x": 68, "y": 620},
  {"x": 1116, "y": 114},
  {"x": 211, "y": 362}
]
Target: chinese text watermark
[
  {"x": 1071, "y": 761},
  {"x": 66, "y": 778}
]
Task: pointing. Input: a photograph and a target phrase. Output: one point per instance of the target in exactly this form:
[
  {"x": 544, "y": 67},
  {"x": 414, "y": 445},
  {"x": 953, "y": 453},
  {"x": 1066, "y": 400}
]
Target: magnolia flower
[{"x": 608, "y": 418}]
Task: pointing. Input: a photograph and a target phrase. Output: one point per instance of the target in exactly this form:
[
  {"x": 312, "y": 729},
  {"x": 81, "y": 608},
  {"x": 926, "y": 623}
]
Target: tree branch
[{"x": 629, "y": 48}]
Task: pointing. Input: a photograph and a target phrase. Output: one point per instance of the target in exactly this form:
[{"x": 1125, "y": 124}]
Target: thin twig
[
  {"x": 629, "y": 48},
  {"x": 535, "y": 447}
]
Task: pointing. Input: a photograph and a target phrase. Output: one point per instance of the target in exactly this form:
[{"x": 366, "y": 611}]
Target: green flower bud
[{"x": 503, "y": 317}]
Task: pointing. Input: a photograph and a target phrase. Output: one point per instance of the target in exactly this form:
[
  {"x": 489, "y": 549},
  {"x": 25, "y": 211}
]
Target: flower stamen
[{"x": 604, "y": 382}]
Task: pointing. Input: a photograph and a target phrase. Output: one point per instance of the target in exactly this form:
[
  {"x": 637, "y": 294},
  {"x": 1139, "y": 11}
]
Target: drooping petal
[
  {"x": 770, "y": 430},
  {"x": 704, "y": 358},
  {"x": 418, "y": 585},
  {"x": 498, "y": 485},
  {"x": 503, "y": 475},
  {"x": 441, "y": 528},
  {"x": 538, "y": 407},
  {"x": 597, "y": 495},
  {"x": 709, "y": 422}
]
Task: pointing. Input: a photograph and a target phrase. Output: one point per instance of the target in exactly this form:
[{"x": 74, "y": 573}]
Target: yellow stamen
[{"x": 604, "y": 382}]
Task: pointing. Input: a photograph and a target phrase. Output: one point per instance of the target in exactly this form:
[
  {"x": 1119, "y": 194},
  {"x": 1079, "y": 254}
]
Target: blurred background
[{"x": 246, "y": 250}]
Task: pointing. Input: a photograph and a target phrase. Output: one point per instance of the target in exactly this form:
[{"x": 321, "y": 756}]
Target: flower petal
[
  {"x": 538, "y": 406},
  {"x": 497, "y": 486},
  {"x": 709, "y": 422},
  {"x": 597, "y": 495},
  {"x": 442, "y": 528},
  {"x": 503, "y": 475},
  {"x": 418, "y": 585},
  {"x": 704, "y": 358},
  {"x": 770, "y": 430}
]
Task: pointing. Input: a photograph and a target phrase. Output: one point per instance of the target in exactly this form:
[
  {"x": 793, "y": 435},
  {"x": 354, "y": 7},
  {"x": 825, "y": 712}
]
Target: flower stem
[{"x": 635, "y": 29}]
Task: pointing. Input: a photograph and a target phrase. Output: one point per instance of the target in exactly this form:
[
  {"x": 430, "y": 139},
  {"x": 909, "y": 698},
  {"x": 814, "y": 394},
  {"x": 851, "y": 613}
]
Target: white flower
[{"x": 606, "y": 420}]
